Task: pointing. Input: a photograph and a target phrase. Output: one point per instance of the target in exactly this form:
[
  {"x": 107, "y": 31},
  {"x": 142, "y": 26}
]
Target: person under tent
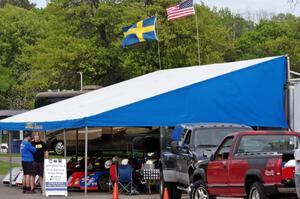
[
  {"x": 39, "y": 156},
  {"x": 27, "y": 151}
]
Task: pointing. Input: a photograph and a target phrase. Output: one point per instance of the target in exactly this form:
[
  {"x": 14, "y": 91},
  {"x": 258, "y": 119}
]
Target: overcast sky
[{"x": 240, "y": 6}]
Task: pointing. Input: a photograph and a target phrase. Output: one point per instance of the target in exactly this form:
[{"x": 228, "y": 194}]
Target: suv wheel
[
  {"x": 257, "y": 191},
  {"x": 161, "y": 187},
  {"x": 200, "y": 191},
  {"x": 59, "y": 148},
  {"x": 174, "y": 193}
]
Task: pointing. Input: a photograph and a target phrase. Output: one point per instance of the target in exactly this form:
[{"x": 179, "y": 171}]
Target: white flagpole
[
  {"x": 158, "y": 46},
  {"x": 198, "y": 39}
]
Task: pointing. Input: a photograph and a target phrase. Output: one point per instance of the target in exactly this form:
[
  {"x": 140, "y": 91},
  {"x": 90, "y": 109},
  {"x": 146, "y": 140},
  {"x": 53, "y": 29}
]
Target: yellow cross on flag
[{"x": 141, "y": 31}]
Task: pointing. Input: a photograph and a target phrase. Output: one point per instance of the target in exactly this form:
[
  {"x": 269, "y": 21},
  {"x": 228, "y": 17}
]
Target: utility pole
[{"x": 81, "y": 80}]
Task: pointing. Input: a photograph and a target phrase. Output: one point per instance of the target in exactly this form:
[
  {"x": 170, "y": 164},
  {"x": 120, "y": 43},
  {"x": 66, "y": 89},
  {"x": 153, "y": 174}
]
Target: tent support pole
[
  {"x": 1, "y": 135},
  {"x": 45, "y": 136},
  {"x": 10, "y": 158},
  {"x": 287, "y": 92},
  {"x": 161, "y": 135},
  {"x": 65, "y": 144},
  {"x": 77, "y": 144},
  {"x": 86, "y": 161}
]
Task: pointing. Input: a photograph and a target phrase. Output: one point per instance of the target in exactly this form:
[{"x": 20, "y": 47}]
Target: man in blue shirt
[{"x": 27, "y": 151}]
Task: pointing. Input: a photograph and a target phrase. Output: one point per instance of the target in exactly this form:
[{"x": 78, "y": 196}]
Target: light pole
[{"x": 81, "y": 80}]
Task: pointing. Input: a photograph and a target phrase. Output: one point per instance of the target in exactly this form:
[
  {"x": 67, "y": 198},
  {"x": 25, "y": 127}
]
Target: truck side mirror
[
  {"x": 174, "y": 146},
  {"x": 185, "y": 148},
  {"x": 212, "y": 157}
]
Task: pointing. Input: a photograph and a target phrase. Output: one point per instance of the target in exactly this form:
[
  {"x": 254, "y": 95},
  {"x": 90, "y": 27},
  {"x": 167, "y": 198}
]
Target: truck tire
[
  {"x": 174, "y": 193},
  {"x": 257, "y": 191},
  {"x": 59, "y": 148},
  {"x": 200, "y": 191}
]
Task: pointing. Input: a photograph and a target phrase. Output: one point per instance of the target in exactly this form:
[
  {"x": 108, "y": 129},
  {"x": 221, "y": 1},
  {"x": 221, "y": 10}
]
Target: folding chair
[
  {"x": 113, "y": 176},
  {"x": 125, "y": 179}
]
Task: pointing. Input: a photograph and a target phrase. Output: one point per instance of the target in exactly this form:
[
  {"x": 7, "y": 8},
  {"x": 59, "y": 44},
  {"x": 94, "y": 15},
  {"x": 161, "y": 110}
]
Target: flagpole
[
  {"x": 198, "y": 39},
  {"x": 158, "y": 46}
]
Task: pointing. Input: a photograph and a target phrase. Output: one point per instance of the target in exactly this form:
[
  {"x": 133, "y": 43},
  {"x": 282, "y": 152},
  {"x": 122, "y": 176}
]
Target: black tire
[
  {"x": 59, "y": 148},
  {"x": 103, "y": 183},
  {"x": 200, "y": 191},
  {"x": 257, "y": 191},
  {"x": 162, "y": 186},
  {"x": 174, "y": 193}
]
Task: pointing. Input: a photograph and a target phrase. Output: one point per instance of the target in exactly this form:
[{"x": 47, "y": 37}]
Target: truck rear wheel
[
  {"x": 200, "y": 191},
  {"x": 257, "y": 191}
]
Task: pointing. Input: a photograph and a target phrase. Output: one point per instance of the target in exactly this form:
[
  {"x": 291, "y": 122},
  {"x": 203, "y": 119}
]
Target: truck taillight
[
  {"x": 288, "y": 171},
  {"x": 273, "y": 167}
]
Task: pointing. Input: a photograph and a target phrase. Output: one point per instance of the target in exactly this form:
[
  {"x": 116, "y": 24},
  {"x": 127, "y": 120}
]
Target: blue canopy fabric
[{"x": 248, "y": 92}]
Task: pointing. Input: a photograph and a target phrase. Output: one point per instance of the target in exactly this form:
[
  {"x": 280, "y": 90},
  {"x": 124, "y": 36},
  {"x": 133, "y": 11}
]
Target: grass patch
[
  {"x": 13, "y": 155},
  {"x": 4, "y": 167}
]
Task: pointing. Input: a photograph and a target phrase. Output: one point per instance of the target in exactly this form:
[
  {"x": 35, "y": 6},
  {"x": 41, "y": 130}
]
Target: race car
[
  {"x": 96, "y": 181},
  {"x": 15, "y": 173},
  {"x": 74, "y": 180}
]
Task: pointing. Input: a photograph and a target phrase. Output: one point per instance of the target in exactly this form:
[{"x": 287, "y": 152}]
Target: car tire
[
  {"x": 103, "y": 183},
  {"x": 174, "y": 193},
  {"x": 200, "y": 191},
  {"x": 162, "y": 186},
  {"x": 257, "y": 191},
  {"x": 59, "y": 148}
]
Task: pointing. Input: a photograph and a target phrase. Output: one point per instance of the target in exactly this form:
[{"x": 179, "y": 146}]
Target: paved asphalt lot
[{"x": 7, "y": 192}]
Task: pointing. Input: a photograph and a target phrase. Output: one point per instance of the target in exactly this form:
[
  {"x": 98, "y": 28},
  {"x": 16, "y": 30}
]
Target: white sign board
[{"x": 55, "y": 177}]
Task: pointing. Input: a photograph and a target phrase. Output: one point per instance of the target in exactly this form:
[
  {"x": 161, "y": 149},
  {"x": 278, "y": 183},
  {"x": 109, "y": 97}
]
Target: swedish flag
[{"x": 141, "y": 31}]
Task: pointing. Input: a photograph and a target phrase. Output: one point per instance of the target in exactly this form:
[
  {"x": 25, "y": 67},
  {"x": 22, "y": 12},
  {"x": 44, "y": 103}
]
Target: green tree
[
  {"x": 20, "y": 29},
  {"x": 278, "y": 36},
  {"x": 19, "y": 3}
]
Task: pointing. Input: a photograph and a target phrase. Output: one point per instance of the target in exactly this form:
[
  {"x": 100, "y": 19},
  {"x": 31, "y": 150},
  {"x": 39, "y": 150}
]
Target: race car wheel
[
  {"x": 103, "y": 183},
  {"x": 59, "y": 148},
  {"x": 257, "y": 191},
  {"x": 200, "y": 191}
]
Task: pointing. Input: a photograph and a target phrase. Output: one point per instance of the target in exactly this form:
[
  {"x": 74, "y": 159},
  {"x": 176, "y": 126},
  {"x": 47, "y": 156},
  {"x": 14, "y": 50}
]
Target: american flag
[{"x": 185, "y": 8}]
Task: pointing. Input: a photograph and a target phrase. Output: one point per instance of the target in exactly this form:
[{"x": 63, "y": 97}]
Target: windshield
[
  {"x": 268, "y": 143},
  {"x": 212, "y": 137}
]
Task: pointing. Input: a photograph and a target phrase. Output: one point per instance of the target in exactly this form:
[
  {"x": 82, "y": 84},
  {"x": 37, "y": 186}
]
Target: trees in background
[{"x": 43, "y": 49}]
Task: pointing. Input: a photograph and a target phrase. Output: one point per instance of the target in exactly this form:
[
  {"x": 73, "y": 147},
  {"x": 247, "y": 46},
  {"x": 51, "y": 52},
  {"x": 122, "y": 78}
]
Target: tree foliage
[{"x": 43, "y": 49}]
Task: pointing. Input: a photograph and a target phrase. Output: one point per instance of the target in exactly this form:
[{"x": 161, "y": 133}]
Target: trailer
[{"x": 294, "y": 105}]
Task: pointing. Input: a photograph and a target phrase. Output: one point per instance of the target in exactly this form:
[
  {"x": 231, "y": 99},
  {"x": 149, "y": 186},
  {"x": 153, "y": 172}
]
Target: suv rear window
[
  {"x": 212, "y": 137},
  {"x": 267, "y": 143}
]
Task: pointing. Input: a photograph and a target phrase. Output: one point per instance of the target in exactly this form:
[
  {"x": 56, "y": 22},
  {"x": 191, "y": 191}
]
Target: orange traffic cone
[
  {"x": 166, "y": 193},
  {"x": 115, "y": 194}
]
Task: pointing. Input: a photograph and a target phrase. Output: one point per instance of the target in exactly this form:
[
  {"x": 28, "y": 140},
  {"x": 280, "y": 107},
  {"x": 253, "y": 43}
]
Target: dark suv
[{"x": 192, "y": 143}]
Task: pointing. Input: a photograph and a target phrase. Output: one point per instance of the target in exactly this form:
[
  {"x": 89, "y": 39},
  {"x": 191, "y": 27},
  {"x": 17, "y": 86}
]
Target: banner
[{"x": 55, "y": 177}]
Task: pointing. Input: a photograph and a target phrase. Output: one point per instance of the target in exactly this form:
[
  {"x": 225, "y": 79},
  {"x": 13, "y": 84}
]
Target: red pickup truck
[{"x": 253, "y": 164}]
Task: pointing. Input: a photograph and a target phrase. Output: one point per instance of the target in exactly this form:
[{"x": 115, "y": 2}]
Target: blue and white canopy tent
[{"x": 246, "y": 92}]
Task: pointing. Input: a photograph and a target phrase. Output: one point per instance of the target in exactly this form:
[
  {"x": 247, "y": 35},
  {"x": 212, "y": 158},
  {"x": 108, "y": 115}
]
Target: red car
[{"x": 253, "y": 164}]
